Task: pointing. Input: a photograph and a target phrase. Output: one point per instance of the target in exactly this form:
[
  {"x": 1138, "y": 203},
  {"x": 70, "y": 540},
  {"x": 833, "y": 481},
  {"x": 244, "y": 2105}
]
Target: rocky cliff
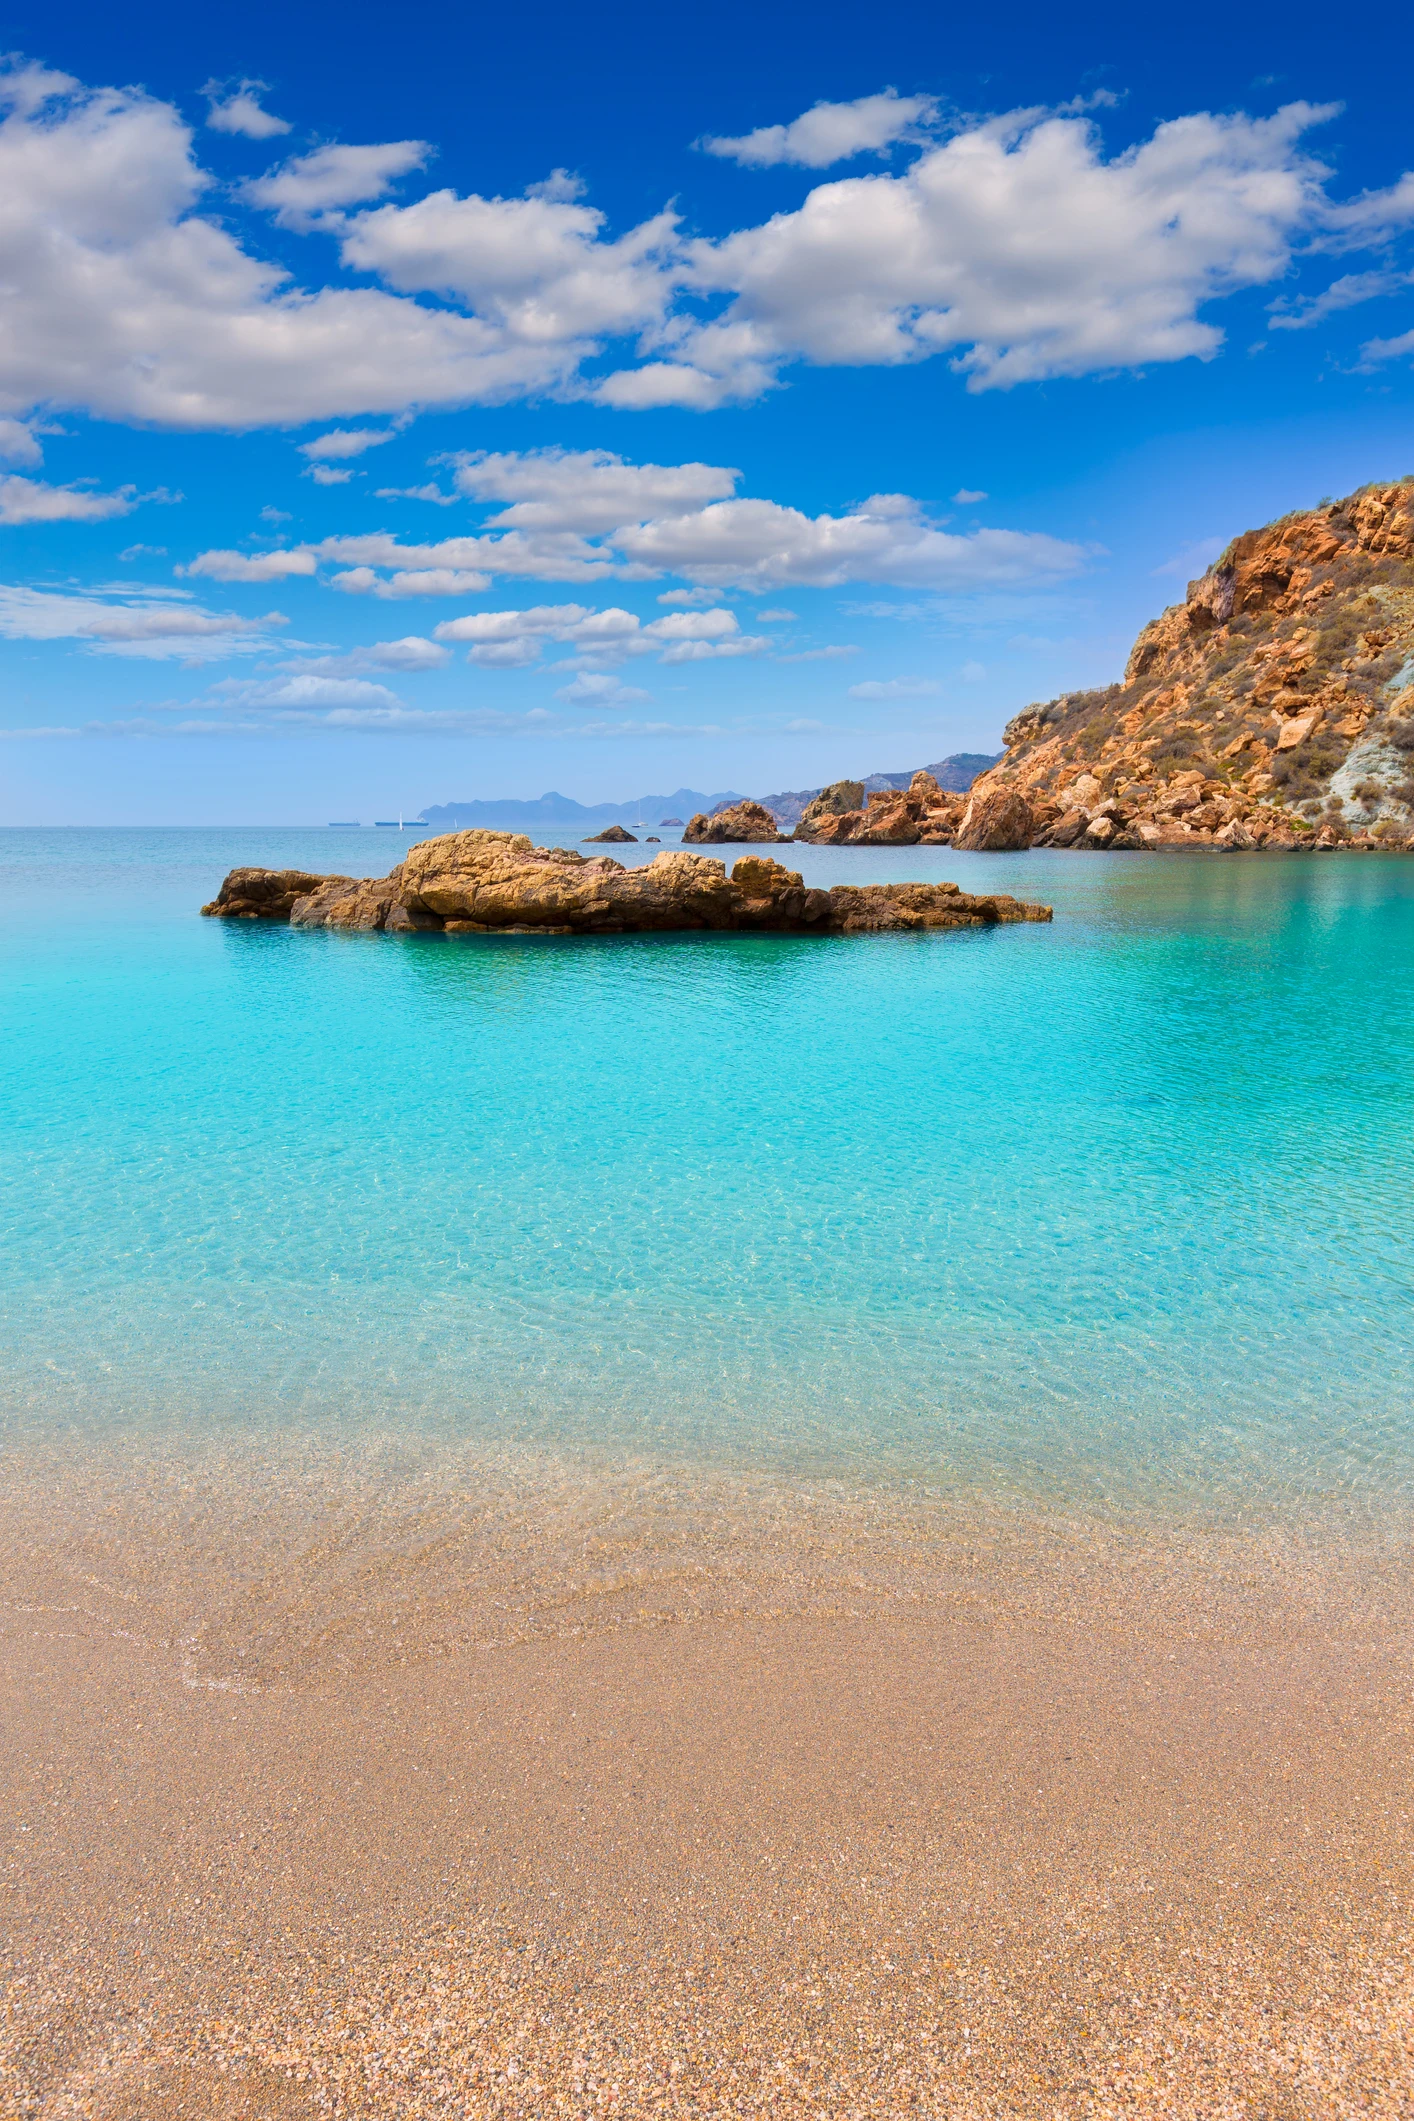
[
  {"x": 497, "y": 883},
  {"x": 1273, "y": 707}
]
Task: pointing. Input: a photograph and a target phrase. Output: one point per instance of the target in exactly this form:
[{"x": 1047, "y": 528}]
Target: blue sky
[{"x": 403, "y": 409}]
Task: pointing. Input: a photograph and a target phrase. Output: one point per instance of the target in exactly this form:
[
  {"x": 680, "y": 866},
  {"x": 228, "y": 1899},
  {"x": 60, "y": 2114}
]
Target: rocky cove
[{"x": 485, "y": 883}]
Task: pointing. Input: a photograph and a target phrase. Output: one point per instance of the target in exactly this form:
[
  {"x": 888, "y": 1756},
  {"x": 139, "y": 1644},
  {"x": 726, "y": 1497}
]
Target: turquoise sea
[{"x": 1113, "y": 1212}]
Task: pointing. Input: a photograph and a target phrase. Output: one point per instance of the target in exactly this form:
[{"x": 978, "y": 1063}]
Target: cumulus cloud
[
  {"x": 585, "y": 490},
  {"x": 598, "y": 689},
  {"x": 222, "y": 566},
  {"x": 413, "y": 653},
  {"x": 304, "y": 691},
  {"x": 126, "y": 303},
  {"x": 312, "y": 185},
  {"x": 895, "y": 689},
  {"x": 832, "y": 132},
  {"x": 31, "y": 501},
  {"x": 1020, "y": 249},
  {"x": 760, "y": 544},
  {"x": 128, "y": 627},
  {"x": 966, "y": 496},
  {"x": 539, "y": 268},
  {"x": 512, "y": 639},
  {"x": 412, "y": 582},
  {"x": 237, "y": 109},
  {"x": 346, "y": 442},
  {"x": 18, "y": 443},
  {"x": 1017, "y": 248}
]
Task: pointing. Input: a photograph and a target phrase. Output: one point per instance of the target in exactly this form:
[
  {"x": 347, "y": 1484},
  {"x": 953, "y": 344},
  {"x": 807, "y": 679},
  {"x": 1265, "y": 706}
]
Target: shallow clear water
[{"x": 1116, "y": 1209}]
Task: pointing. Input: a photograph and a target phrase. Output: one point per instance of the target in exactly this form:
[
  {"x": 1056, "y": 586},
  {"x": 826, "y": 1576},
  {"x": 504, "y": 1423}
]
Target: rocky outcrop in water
[
  {"x": 1274, "y": 707},
  {"x": 742, "y": 823},
  {"x": 612, "y": 835},
  {"x": 498, "y": 883},
  {"x": 919, "y": 815}
]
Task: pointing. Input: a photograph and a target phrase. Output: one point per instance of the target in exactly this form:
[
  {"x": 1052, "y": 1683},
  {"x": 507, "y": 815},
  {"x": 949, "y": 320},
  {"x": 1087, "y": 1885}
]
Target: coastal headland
[
  {"x": 498, "y": 883},
  {"x": 1273, "y": 709}
]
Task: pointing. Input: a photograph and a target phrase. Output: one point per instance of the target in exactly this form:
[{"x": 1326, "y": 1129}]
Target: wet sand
[{"x": 488, "y": 1790}]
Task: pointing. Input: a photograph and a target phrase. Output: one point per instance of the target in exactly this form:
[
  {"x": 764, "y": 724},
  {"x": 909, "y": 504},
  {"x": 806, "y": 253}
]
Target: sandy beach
[{"x": 658, "y": 1795}]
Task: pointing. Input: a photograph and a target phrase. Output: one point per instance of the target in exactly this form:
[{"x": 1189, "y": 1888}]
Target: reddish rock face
[
  {"x": 744, "y": 821},
  {"x": 891, "y": 817},
  {"x": 498, "y": 883},
  {"x": 997, "y": 821},
  {"x": 1271, "y": 708}
]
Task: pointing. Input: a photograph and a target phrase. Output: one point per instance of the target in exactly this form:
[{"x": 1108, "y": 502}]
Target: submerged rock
[
  {"x": 744, "y": 821},
  {"x": 498, "y": 883}
]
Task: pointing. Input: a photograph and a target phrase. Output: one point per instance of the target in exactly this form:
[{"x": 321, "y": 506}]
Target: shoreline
[{"x": 797, "y": 1809}]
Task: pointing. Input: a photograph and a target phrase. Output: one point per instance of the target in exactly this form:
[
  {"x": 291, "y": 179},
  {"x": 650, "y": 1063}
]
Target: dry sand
[{"x": 428, "y": 1786}]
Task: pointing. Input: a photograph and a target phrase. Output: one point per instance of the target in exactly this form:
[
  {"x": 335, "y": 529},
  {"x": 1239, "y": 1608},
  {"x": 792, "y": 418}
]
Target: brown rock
[
  {"x": 265, "y": 894},
  {"x": 837, "y": 800},
  {"x": 497, "y": 882},
  {"x": 614, "y": 834},
  {"x": 998, "y": 820},
  {"x": 744, "y": 821}
]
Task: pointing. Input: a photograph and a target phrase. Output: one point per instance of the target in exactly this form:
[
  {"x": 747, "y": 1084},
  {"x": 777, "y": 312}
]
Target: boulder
[
  {"x": 498, "y": 883},
  {"x": 998, "y": 820},
  {"x": 614, "y": 834},
  {"x": 266, "y": 894},
  {"x": 837, "y": 800},
  {"x": 745, "y": 821}
]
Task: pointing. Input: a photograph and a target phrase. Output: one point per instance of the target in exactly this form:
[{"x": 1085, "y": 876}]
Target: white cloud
[
  {"x": 411, "y": 654},
  {"x": 346, "y": 442},
  {"x": 1372, "y": 217},
  {"x": 966, "y": 496},
  {"x": 765, "y": 618},
  {"x": 147, "y": 628},
  {"x": 124, "y": 302},
  {"x": 692, "y": 626},
  {"x": 538, "y": 268},
  {"x": 1017, "y": 247},
  {"x": 1376, "y": 350},
  {"x": 312, "y": 185},
  {"x": 221, "y": 566},
  {"x": 239, "y": 110},
  {"x": 513, "y": 639},
  {"x": 895, "y": 689},
  {"x": 327, "y": 475},
  {"x": 18, "y": 444},
  {"x": 1344, "y": 293},
  {"x": 763, "y": 545},
  {"x": 31, "y": 501},
  {"x": 586, "y": 490},
  {"x": 306, "y": 691},
  {"x": 412, "y": 582},
  {"x": 832, "y": 132},
  {"x": 596, "y": 689},
  {"x": 689, "y": 597},
  {"x": 416, "y": 493},
  {"x": 702, "y": 651}
]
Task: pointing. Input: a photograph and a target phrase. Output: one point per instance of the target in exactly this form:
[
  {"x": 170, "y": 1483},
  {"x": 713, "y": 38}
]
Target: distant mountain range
[{"x": 561, "y": 813}]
